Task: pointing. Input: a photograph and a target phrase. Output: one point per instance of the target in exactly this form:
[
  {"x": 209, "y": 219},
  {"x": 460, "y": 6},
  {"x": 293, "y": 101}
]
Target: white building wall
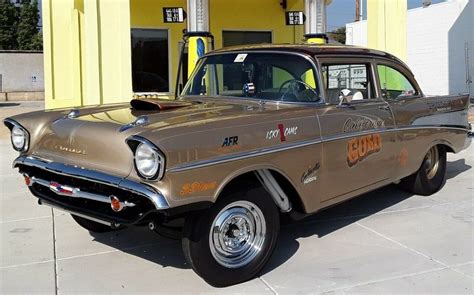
[
  {"x": 21, "y": 71},
  {"x": 356, "y": 33},
  {"x": 436, "y": 39}
]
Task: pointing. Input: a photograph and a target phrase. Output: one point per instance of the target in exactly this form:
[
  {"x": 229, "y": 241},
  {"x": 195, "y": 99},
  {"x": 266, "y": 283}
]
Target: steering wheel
[{"x": 293, "y": 88}]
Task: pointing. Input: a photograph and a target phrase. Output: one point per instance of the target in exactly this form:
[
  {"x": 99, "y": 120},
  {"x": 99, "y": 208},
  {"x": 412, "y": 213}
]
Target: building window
[
  {"x": 232, "y": 38},
  {"x": 150, "y": 60}
]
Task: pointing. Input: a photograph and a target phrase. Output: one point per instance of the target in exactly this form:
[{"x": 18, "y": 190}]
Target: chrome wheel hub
[
  {"x": 237, "y": 234},
  {"x": 432, "y": 162}
]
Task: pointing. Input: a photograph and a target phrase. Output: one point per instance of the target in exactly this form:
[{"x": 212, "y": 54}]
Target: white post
[{"x": 315, "y": 26}]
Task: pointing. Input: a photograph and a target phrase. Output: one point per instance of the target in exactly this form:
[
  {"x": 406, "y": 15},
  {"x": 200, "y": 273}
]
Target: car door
[{"x": 356, "y": 136}]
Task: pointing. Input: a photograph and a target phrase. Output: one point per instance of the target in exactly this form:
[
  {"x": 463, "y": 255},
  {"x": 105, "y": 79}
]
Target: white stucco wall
[
  {"x": 21, "y": 72},
  {"x": 436, "y": 38}
]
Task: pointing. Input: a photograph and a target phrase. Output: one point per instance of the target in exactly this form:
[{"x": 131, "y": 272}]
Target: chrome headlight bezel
[
  {"x": 15, "y": 127},
  {"x": 134, "y": 143}
]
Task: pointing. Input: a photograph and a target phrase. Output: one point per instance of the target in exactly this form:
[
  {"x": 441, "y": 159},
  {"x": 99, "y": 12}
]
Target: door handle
[{"x": 385, "y": 108}]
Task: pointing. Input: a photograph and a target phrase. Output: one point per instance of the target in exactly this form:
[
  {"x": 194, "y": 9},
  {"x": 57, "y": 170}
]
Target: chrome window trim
[
  {"x": 10, "y": 124},
  {"x": 295, "y": 145},
  {"x": 158, "y": 200}
]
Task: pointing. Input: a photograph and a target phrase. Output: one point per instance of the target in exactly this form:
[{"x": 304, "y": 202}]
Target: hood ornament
[
  {"x": 141, "y": 120},
  {"x": 74, "y": 113}
]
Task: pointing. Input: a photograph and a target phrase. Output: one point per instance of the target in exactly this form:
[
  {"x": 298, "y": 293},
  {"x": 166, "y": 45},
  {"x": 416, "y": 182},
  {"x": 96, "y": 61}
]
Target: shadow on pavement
[
  {"x": 9, "y": 104},
  {"x": 168, "y": 253}
]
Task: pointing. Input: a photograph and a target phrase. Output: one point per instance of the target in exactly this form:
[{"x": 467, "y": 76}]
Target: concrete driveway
[{"x": 387, "y": 241}]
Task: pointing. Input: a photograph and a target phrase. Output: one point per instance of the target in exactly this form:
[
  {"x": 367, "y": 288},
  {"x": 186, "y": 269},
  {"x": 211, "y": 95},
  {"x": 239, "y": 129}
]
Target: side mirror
[{"x": 345, "y": 97}]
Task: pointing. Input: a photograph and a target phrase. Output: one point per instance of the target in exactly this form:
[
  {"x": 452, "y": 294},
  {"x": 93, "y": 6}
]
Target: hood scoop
[{"x": 146, "y": 104}]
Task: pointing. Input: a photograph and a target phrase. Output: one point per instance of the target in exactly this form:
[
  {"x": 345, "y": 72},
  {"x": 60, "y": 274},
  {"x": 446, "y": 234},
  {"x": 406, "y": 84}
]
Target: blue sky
[{"x": 341, "y": 12}]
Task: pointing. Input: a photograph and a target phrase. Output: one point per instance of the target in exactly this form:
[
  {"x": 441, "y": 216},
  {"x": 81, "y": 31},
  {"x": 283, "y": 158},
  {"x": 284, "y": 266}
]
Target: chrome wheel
[
  {"x": 432, "y": 162},
  {"x": 237, "y": 234}
]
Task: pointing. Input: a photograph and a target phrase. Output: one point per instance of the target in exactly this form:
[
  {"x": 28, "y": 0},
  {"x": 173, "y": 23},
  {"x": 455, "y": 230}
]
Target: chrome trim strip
[
  {"x": 242, "y": 156},
  {"x": 295, "y": 145},
  {"x": 76, "y": 192},
  {"x": 46, "y": 203},
  {"x": 271, "y": 185},
  {"x": 158, "y": 200}
]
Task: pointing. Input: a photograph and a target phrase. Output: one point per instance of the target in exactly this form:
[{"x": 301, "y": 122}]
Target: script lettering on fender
[
  {"x": 360, "y": 124},
  {"x": 361, "y": 147}
]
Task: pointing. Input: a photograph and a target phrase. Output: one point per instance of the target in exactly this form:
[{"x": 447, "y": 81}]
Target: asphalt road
[{"x": 386, "y": 241}]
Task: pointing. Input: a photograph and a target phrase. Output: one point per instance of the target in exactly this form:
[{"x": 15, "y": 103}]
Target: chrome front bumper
[{"x": 155, "y": 197}]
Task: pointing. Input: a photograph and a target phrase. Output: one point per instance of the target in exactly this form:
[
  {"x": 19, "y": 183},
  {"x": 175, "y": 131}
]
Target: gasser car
[{"x": 258, "y": 132}]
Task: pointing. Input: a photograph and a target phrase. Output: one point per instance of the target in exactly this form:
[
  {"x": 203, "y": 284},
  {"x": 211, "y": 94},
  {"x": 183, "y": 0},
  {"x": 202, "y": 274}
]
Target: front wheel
[
  {"x": 232, "y": 241},
  {"x": 431, "y": 176}
]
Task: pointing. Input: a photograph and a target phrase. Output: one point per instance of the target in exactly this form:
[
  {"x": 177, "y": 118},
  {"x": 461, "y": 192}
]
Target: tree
[
  {"x": 338, "y": 35},
  {"x": 8, "y": 25},
  {"x": 27, "y": 31}
]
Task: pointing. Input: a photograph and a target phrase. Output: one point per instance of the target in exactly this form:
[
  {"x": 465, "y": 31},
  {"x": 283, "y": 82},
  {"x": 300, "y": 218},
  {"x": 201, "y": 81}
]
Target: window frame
[
  {"x": 313, "y": 65},
  {"x": 170, "y": 58},
  {"x": 402, "y": 70},
  {"x": 345, "y": 60}
]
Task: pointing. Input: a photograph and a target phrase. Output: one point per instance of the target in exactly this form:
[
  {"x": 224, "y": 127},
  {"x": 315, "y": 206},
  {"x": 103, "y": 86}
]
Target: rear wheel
[
  {"x": 232, "y": 241},
  {"x": 92, "y": 226},
  {"x": 431, "y": 176}
]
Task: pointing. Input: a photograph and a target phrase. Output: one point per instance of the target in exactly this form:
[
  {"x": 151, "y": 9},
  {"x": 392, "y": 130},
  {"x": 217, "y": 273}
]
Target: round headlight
[
  {"x": 147, "y": 160},
  {"x": 19, "y": 138}
]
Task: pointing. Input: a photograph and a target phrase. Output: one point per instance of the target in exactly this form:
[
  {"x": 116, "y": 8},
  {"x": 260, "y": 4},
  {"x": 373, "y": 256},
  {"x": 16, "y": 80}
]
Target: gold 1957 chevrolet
[{"x": 257, "y": 133}]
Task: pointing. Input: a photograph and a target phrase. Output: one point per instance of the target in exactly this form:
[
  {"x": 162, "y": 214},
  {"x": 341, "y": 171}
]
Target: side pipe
[{"x": 271, "y": 185}]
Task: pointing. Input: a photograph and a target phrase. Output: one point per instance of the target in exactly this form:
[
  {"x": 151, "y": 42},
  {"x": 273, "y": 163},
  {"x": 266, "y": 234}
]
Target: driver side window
[{"x": 348, "y": 80}]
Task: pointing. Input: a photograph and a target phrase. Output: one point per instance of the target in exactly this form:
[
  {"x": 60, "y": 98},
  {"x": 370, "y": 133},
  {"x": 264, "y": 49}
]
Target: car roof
[{"x": 318, "y": 50}]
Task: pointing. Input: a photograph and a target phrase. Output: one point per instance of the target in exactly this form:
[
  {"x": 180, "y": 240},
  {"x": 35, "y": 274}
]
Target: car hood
[{"x": 96, "y": 137}]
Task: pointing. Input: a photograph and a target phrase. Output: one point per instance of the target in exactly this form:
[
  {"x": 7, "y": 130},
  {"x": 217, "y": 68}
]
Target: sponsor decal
[
  {"x": 230, "y": 144},
  {"x": 360, "y": 124},
  {"x": 402, "y": 157},
  {"x": 310, "y": 175},
  {"x": 70, "y": 150},
  {"x": 230, "y": 141},
  {"x": 445, "y": 105},
  {"x": 361, "y": 147},
  {"x": 189, "y": 188},
  {"x": 282, "y": 132}
]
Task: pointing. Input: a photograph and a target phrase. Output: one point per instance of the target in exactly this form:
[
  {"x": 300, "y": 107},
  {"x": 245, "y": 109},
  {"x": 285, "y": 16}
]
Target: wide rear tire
[
  {"x": 431, "y": 176},
  {"x": 232, "y": 241}
]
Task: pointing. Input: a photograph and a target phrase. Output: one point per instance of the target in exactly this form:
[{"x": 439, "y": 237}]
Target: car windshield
[{"x": 266, "y": 76}]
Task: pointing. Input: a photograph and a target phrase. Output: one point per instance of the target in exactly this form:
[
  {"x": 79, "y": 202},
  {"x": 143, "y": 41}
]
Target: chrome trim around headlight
[
  {"x": 12, "y": 123},
  {"x": 141, "y": 189},
  {"x": 133, "y": 142}
]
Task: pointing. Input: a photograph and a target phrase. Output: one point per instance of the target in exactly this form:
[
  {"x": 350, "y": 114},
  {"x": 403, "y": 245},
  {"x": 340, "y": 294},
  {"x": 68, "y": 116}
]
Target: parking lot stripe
[{"x": 412, "y": 250}]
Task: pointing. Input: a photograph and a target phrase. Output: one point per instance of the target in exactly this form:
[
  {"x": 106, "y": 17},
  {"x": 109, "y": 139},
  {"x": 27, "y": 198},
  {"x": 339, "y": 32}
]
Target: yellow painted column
[
  {"x": 87, "y": 52},
  {"x": 62, "y": 53},
  {"x": 115, "y": 50},
  {"x": 387, "y": 26}
]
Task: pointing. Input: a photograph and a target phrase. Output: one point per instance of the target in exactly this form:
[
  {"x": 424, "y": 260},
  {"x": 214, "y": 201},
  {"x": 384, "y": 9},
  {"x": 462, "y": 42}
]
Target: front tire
[
  {"x": 431, "y": 176},
  {"x": 233, "y": 240}
]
